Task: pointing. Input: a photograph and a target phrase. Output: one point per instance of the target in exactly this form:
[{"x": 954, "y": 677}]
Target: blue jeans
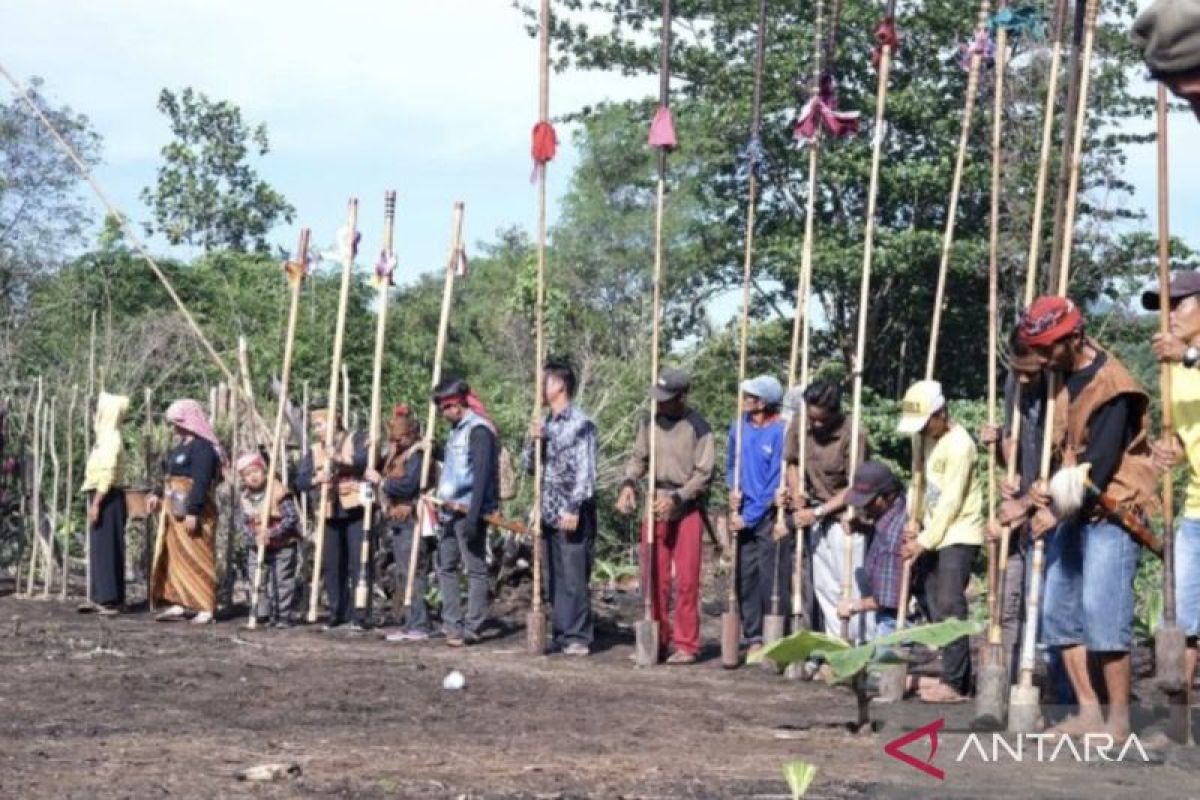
[
  {"x": 1089, "y": 587},
  {"x": 1187, "y": 576}
]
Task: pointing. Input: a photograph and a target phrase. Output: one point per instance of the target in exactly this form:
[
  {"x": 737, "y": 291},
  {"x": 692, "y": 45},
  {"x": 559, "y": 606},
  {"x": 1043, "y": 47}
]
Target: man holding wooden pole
[
  {"x": 763, "y": 565},
  {"x": 683, "y": 469},
  {"x": 951, "y": 529},
  {"x": 568, "y": 442},
  {"x": 469, "y": 491},
  {"x": 1100, "y": 424},
  {"x": 335, "y": 473}
]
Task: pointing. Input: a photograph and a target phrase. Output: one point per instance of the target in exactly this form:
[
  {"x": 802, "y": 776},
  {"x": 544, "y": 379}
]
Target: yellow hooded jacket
[{"x": 106, "y": 463}]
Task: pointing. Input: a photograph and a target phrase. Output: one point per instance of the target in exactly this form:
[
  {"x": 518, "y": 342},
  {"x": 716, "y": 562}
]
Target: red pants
[{"x": 676, "y": 553}]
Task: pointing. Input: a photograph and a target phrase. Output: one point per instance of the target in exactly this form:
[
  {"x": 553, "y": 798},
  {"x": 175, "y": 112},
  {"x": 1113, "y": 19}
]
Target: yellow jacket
[
  {"x": 953, "y": 502},
  {"x": 106, "y": 463}
]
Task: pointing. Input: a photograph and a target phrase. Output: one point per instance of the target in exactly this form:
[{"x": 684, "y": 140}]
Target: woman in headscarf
[
  {"x": 104, "y": 480},
  {"x": 184, "y": 572}
]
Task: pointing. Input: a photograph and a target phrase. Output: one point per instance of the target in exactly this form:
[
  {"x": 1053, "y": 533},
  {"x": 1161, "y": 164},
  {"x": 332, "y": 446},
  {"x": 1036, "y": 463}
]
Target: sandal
[{"x": 679, "y": 657}]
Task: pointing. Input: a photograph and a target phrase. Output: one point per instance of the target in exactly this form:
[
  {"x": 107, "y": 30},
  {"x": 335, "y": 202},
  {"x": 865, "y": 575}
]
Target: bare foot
[
  {"x": 943, "y": 694},
  {"x": 1088, "y": 720}
]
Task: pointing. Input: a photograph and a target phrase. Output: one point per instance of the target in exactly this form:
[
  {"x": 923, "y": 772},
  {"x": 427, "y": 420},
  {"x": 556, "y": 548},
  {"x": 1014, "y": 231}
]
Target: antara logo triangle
[{"x": 895, "y": 748}]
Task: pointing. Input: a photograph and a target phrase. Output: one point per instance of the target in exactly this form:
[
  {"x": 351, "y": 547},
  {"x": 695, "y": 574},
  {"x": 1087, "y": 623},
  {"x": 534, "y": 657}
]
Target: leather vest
[
  {"x": 1134, "y": 483},
  {"x": 347, "y": 486},
  {"x": 396, "y": 468}
]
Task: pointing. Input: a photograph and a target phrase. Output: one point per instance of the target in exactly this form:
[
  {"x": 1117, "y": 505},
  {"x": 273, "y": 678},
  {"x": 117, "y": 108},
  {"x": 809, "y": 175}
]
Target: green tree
[
  {"x": 712, "y": 61},
  {"x": 207, "y": 194}
]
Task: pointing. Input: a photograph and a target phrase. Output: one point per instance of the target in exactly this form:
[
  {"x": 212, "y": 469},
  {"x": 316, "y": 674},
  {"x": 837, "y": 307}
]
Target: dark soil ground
[{"x": 125, "y": 707}]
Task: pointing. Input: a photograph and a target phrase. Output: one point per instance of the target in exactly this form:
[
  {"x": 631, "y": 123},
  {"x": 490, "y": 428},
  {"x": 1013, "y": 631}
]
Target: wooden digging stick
[
  {"x": 1023, "y": 703},
  {"x": 330, "y": 426},
  {"x": 917, "y": 512},
  {"x": 535, "y": 623},
  {"x": 68, "y": 520},
  {"x": 1170, "y": 644},
  {"x": 864, "y": 297},
  {"x": 295, "y": 271},
  {"x": 800, "y": 344},
  {"x": 646, "y": 632},
  {"x": 991, "y": 694},
  {"x": 1031, "y": 273},
  {"x": 383, "y": 280},
  {"x": 452, "y": 261},
  {"x": 731, "y": 619}
]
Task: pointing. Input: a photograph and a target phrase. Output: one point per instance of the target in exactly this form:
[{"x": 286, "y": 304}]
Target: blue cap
[{"x": 766, "y": 388}]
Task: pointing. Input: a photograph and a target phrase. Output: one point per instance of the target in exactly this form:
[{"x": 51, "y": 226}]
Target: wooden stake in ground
[
  {"x": 304, "y": 447},
  {"x": 991, "y": 686},
  {"x": 535, "y": 622},
  {"x": 383, "y": 283},
  {"x": 35, "y": 492},
  {"x": 455, "y": 258},
  {"x": 886, "y": 36},
  {"x": 348, "y": 245},
  {"x": 731, "y": 623},
  {"x": 646, "y": 631},
  {"x": 295, "y": 271},
  {"x": 68, "y": 520},
  {"x": 346, "y": 397},
  {"x": 1170, "y": 644},
  {"x": 55, "y": 475},
  {"x": 89, "y": 410},
  {"x": 1023, "y": 708}
]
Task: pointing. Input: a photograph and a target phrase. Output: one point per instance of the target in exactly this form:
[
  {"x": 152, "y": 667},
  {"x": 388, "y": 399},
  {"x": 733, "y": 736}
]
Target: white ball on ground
[{"x": 454, "y": 681}]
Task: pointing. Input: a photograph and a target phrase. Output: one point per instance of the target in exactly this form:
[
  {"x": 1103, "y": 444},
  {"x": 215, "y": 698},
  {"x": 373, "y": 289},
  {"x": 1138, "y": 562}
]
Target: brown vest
[
  {"x": 252, "y": 512},
  {"x": 1133, "y": 484},
  {"x": 347, "y": 486},
  {"x": 396, "y": 467}
]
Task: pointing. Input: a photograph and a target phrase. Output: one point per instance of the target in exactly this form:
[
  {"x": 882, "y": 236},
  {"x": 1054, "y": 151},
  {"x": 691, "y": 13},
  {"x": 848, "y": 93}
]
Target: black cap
[
  {"x": 1183, "y": 284},
  {"x": 871, "y": 479},
  {"x": 671, "y": 383},
  {"x": 451, "y": 387}
]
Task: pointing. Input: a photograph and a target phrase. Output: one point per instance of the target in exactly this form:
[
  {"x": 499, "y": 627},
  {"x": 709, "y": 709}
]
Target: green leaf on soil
[
  {"x": 938, "y": 634},
  {"x": 799, "y": 776},
  {"x": 797, "y": 647}
]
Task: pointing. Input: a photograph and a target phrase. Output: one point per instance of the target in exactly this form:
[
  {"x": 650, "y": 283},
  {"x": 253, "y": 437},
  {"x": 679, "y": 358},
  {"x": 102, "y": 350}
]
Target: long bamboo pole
[
  {"x": 801, "y": 328},
  {"x": 295, "y": 271},
  {"x": 1170, "y": 644},
  {"x": 864, "y": 297},
  {"x": 123, "y": 221},
  {"x": 729, "y": 640},
  {"x": 452, "y": 261},
  {"x": 536, "y": 623},
  {"x": 647, "y": 637},
  {"x": 331, "y": 415},
  {"x": 1022, "y": 705},
  {"x": 383, "y": 279},
  {"x": 960, "y": 160}
]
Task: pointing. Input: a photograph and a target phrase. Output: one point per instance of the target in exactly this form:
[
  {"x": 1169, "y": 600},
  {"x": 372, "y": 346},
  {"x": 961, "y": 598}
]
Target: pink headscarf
[{"x": 189, "y": 415}]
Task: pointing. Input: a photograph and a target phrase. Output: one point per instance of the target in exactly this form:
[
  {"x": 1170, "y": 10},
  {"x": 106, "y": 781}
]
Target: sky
[{"x": 433, "y": 99}]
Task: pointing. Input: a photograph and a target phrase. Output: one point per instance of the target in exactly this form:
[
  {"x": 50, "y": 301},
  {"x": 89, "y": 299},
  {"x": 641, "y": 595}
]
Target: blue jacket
[{"x": 762, "y": 466}]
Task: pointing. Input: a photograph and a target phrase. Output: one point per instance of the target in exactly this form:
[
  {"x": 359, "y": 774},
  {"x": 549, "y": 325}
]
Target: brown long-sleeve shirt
[
  {"x": 685, "y": 457},
  {"x": 828, "y": 459}
]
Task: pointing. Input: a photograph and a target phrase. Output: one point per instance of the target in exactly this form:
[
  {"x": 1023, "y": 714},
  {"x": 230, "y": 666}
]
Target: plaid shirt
[
  {"x": 883, "y": 563},
  {"x": 569, "y": 463}
]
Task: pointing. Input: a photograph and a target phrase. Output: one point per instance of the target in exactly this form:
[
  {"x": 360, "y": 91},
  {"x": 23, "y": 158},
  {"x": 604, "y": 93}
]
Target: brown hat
[{"x": 1183, "y": 284}]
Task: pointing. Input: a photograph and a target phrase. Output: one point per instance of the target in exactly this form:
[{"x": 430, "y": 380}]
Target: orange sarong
[{"x": 185, "y": 572}]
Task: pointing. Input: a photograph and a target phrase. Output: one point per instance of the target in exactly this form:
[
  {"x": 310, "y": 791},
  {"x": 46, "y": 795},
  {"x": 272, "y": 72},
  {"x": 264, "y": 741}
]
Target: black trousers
[
  {"x": 946, "y": 574},
  {"x": 107, "y": 541},
  {"x": 341, "y": 566},
  {"x": 764, "y": 567},
  {"x": 569, "y": 558}
]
